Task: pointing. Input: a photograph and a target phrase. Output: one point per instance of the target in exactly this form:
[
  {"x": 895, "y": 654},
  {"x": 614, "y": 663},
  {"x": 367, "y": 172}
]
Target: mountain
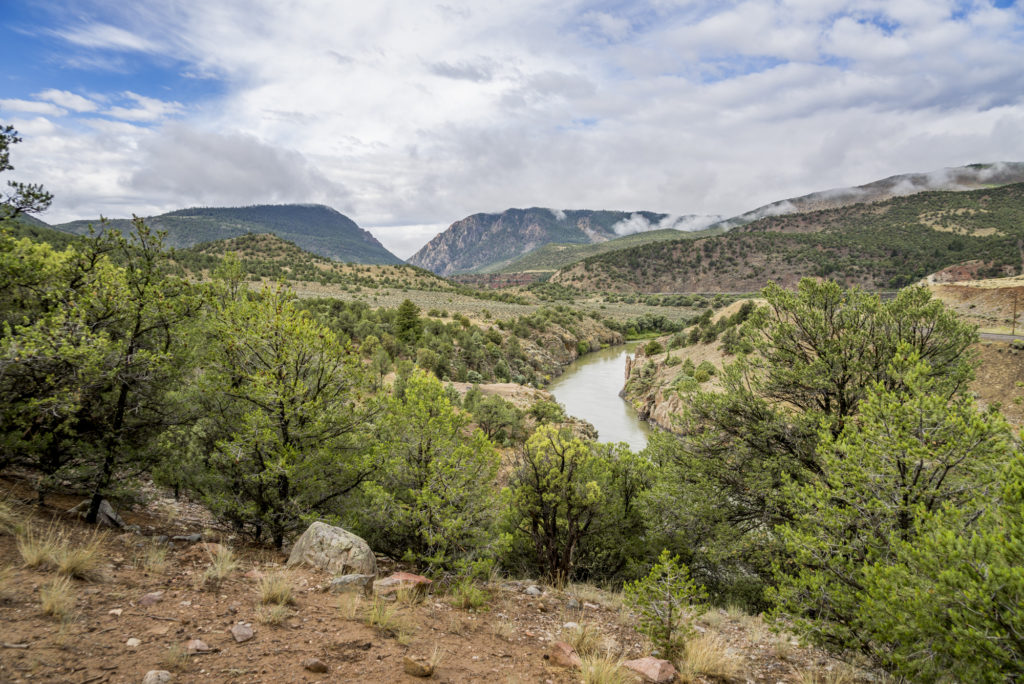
[
  {"x": 493, "y": 240},
  {"x": 970, "y": 177},
  {"x": 312, "y": 227},
  {"x": 554, "y": 255},
  {"x": 881, "y": 245}
]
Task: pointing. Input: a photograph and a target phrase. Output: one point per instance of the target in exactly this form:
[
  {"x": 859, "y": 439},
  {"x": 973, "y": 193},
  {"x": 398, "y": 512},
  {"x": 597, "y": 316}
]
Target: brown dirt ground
[{"x": 505, "y": 641}]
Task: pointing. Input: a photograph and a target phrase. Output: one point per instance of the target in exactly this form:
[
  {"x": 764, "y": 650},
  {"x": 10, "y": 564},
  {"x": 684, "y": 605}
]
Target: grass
[
  {"x": 273, "y": 614},
  {"x": 175, "y": 657},
  {"x": 466, "y": 594},
  {"x": 585, "y": 638},
  {"x": 39, "y": 550},
  {"x": 6, "y": 575},
  {"x": 152, "y": 558},
  {"x": 604, "y": 669},
  {"x": 83, "y": 562},
  {"x": 349, "y": 605},
  {"x": 222, "y": 563},
  {"x": 384, "y": 617},
  {"x": 275, "y": 589},
  {"x": 57, "y": 598},
  {"x": 11, "y": 521},
  {"x": 505, "y": 629},
  {"x": 709, "y": 655}
]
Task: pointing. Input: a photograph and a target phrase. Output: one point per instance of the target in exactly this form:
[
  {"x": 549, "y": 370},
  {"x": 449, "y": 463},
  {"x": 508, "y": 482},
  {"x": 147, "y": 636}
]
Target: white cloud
[
  {"x": 32, "y": 107},
  {"x": 403, "y": 113},
  {"x": 68, "y": 100}
]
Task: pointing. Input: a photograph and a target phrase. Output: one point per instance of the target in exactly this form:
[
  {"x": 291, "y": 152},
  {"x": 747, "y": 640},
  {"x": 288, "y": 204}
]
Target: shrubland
[{"x": 839, "y": 475}]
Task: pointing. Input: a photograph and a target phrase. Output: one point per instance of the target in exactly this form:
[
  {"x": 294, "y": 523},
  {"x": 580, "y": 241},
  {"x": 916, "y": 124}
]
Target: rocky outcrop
[{"x": 333, "y": 549}]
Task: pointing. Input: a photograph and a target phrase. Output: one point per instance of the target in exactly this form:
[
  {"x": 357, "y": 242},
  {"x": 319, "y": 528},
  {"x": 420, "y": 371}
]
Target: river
[{"x": 589, "y": 389}]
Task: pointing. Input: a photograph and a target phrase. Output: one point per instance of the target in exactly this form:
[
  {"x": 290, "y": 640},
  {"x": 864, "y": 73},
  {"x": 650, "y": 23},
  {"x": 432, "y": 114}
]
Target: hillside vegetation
[
  {"x": 315, "y": 228},
  {"x": 884, "y": 245},
  {"x": 551, "y": 257}
]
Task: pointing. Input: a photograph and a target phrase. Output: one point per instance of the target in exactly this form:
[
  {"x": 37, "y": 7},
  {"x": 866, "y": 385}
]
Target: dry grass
[
  {"x": 152, "y": 558},
  {"x": 222, "y": 564},
  {"x": 838, "y": 673},
  {"x": 349, "y": 605},
  {"x": 57, "y": 598},
  {"x": 39, "y": 549},
  {"x": 276, "y": 589},
  {"x": 709, "y": 655},
  {"x": 604, "y": 669},
  {"x": 585, "y": 638},
  {"x": 11, "y": 520},
  {"x": 273, "y": 614},
  {"x": 175, "y": 658},
  {"x": 6, "y": 575},
  {"x": 505, "y": 629},
  {"x": 83, "y": 562},
  {"x": 384, "y": 617}
]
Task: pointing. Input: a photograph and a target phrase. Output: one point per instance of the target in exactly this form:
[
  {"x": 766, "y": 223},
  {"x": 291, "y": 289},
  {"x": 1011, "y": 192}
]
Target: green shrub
[{"x": 662, "y": 599}]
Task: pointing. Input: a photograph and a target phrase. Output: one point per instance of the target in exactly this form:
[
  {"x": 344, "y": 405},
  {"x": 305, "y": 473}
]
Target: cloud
[
  {"x": 146, "y": 109},
  {"x": 68, "y": 100},
  {"x": 99, "y": 35},
  {"x": 32, "y": 107},
  {"x": 479, "y": 72},
  {"x": 638, "y": 223},
  {"x": 200, "y": 168}
]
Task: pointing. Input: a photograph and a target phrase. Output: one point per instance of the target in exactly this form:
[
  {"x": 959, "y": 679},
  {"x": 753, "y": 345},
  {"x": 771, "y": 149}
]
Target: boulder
[
  {"x": 105, "y": 516},
  {"x": 564, "y": 655},
  {"x": 652, "y": 669},
  {"x": 333, "y": 549},
  {"x": 399, "y": 581},
  {"x": 360, "y": 584}
]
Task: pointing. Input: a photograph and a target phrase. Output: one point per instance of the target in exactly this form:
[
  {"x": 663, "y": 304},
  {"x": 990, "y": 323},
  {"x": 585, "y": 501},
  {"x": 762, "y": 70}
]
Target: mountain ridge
[{"x": 317, "y": 228}]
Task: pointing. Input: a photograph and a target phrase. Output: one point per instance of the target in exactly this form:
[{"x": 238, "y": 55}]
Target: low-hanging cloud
[{"x": 638, "y": 223}]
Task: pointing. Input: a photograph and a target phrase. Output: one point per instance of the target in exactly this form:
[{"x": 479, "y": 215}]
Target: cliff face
[{"x": 484, "y": 239}]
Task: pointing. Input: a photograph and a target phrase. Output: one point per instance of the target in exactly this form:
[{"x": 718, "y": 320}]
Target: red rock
[
  {"x": 197, "y": 646},
  {"x": 652, "y": 669},
  {"x": 400, "y": 580},
  {"x": 564, "y": 655},
  {"x": 242, "y": 632}
]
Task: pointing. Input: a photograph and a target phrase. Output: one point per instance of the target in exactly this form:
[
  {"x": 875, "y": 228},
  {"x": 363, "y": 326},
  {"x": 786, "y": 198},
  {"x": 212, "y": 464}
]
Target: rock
[
  {"x": 333, "y": 549},
  {"x": 242, "y": 632},
  {"x": 352, "y": 584},
  {"x": 652, "y": 669},
  {"x": 133, "y": 643},
  {"x": 116, "y": 612},
  {"x": 202, "y": 551},
  {"x": 188, "y": 538},
  {"x": 105, "y": 516},
  {"x": 572, "y": 604},
  {"x": 197, "y": 646},
  {"x": 157, "y": 677},
  {"x": 417, "y": 666},
  {"x": 564, "y": 655},
  {"x": 315, "y": 665},
  {"x": 533, "y": 590},
  {"x": 571, "y": 625},
  {"x": 161, "y": 539},
  {"x": 151, "y": 598},
  {"x": 400, "y": 580},
  {"x": 591, "y": 606},
  {"x": 541, "y": 607}
]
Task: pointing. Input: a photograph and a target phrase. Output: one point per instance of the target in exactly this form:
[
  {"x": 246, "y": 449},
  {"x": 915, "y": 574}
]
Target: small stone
[
  {"x": 572, "y": 604},
  {"x": 233, "y": 608},
  {"x": 157, "y": 677},
  {"x": 133, "y": 643},
  {"x": 591, "y": 606},
  {"x": 652, "y": 669},
  {"x": 242, "y": 632},
  {"x": 564, "y": 655},
  {"x": 188, "y": 538},
  {"x": 417, "y": 666},
  {"x": 158, "y": 630},
  {"x": 541, "y": 607},
  {"x": 161, "y": 539},
  {"x": 571, "y": 625},
  {"x": 352, "y": 584},
  {"x": 197, "y": 646},
  {"x": 116, "y": 612},
  {"x": 315, "y": 665},
  {"x": 151, "y": 598},
  {"x": 533, "y": 590}
]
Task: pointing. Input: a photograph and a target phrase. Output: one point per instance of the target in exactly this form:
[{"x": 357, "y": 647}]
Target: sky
[{"x": 407, "y": 115}]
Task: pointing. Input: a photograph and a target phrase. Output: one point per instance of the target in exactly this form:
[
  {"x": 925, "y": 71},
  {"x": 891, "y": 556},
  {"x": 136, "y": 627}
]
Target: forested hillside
[{"x": 884, "y": 245}]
